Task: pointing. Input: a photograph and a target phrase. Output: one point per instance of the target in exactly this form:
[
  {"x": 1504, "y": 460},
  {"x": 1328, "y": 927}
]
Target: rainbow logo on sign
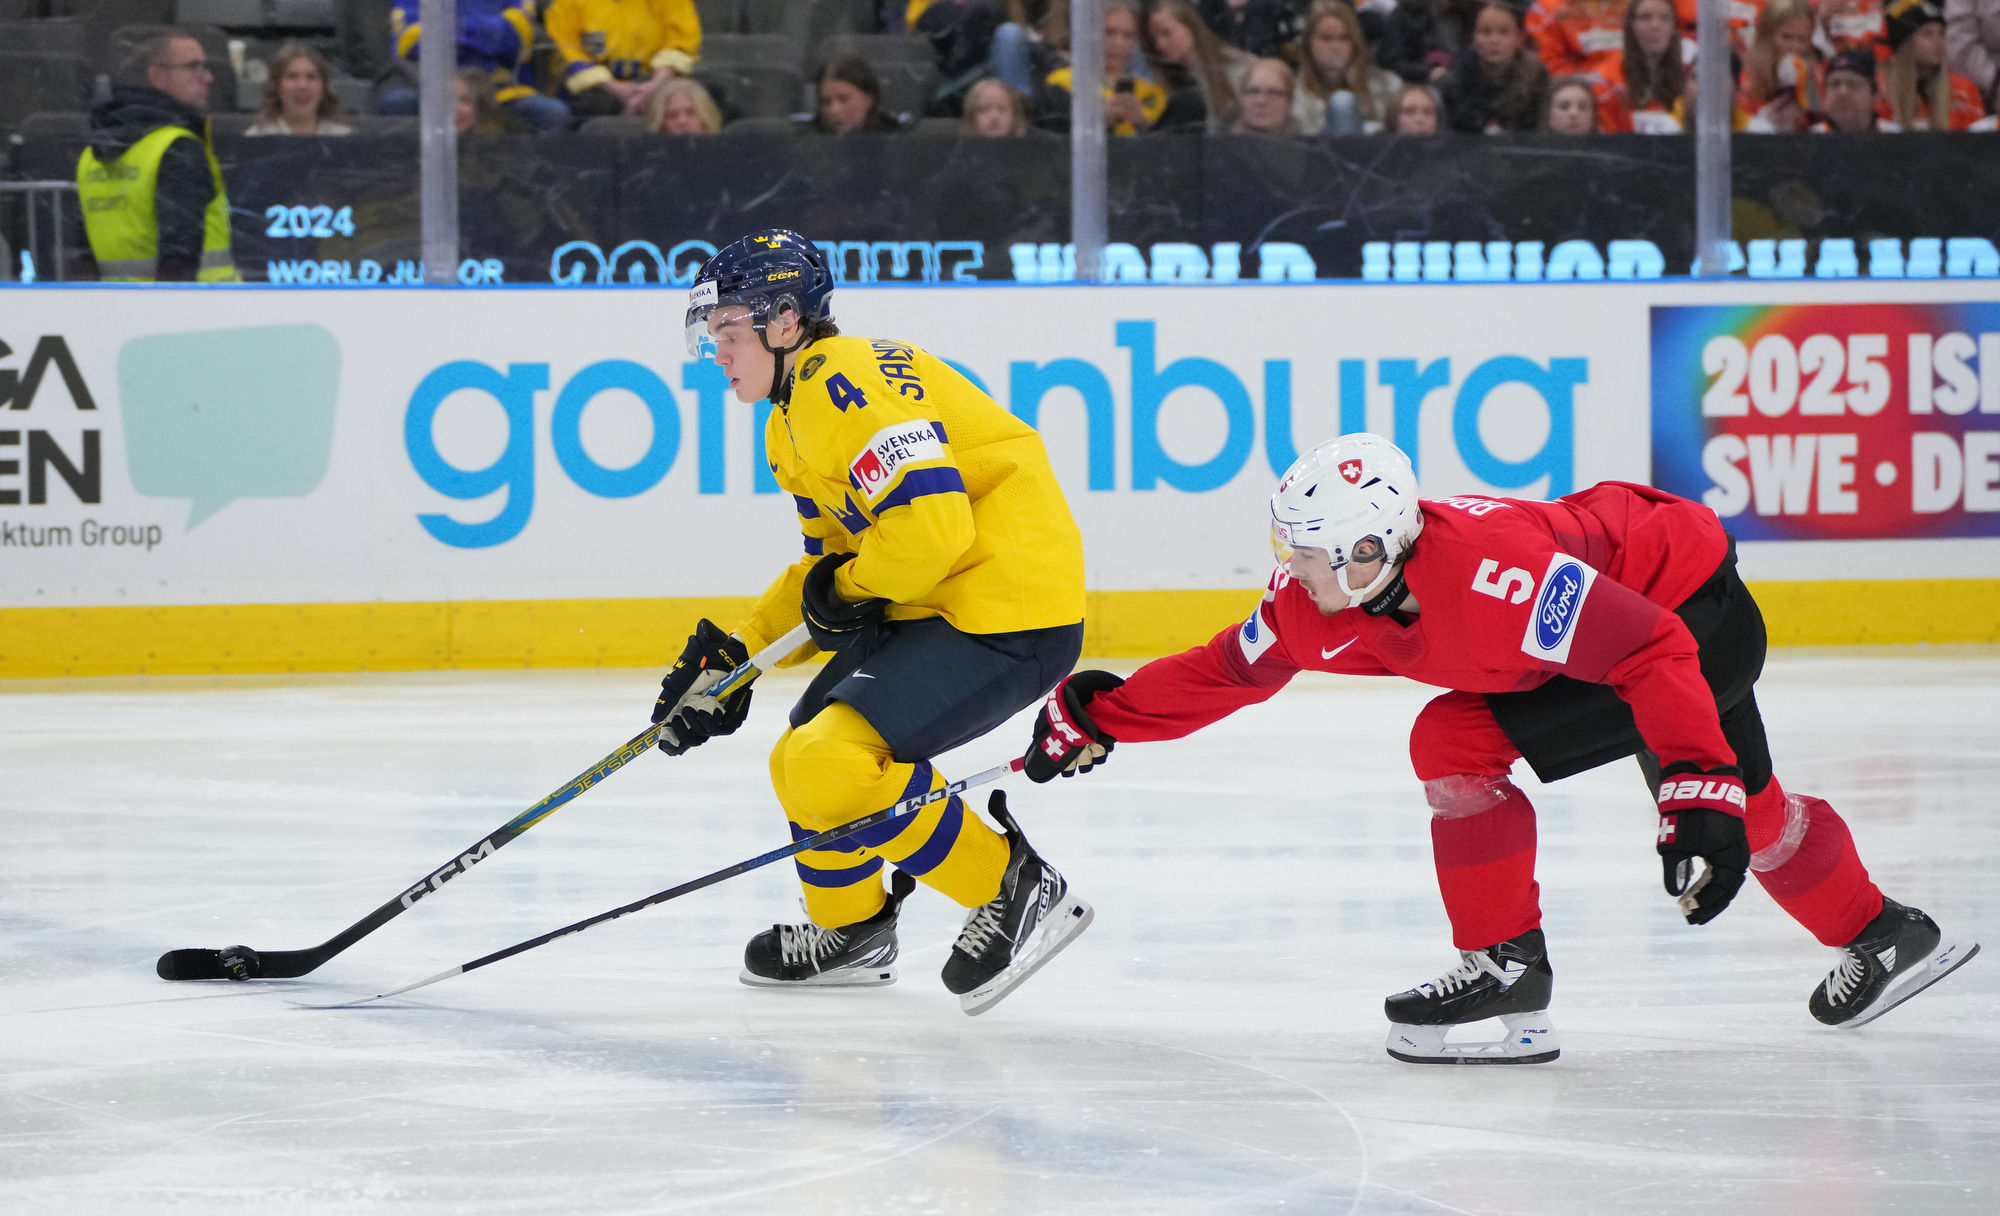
[{"x": 1831, "y": 422}]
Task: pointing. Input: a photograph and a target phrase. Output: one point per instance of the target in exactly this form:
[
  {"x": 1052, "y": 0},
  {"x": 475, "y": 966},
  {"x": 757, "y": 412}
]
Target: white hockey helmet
[{"x": 1343, "y": 492}]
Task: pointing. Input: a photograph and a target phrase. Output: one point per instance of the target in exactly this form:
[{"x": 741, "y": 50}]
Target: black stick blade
[{"x": 191, "y": 965}]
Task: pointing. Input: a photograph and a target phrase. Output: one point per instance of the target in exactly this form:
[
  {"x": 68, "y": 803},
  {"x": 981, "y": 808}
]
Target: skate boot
[
  {"x": 1900, "y": 953},
  {"x": 806, "y": 956},
  {"x": 1006, "y": 941},
  {"x": 1511, "y": 981}
]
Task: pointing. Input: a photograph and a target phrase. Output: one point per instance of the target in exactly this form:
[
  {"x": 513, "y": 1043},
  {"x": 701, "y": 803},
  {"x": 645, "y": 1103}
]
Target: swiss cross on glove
[
  {"x": 1067, "y": 742},
  {"x": 1701, "y": 815}
]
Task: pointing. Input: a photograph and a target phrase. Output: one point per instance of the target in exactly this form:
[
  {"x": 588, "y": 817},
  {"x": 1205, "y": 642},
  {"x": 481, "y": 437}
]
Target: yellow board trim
[{"x": 486, "y": 634}]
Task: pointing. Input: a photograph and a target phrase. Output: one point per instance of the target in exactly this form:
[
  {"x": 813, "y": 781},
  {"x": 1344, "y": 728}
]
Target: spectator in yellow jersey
[
  {"x": 943, "y": 578},
  {"x": 1131, "y": 104},
  {"x": 498, "y": 38},
  {"x": 618, "y": 53}
]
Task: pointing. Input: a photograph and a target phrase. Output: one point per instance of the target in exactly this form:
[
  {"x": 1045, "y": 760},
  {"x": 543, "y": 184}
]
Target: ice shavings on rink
[{"x": 1213, "y": 1044}]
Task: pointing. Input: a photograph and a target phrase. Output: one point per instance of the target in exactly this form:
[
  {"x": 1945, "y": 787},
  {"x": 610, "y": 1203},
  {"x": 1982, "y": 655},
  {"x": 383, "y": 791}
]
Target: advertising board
[{"x": 383, "y": 478}]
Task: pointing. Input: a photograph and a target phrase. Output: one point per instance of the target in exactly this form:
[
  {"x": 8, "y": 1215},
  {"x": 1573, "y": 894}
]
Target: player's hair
[
  {"x": 821, "y": 327},
  {"x": 281, "y": 62}
]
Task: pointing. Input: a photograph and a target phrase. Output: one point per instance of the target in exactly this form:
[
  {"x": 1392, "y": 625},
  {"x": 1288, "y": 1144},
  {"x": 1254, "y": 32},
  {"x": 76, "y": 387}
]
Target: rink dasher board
[{"x": 248, "y": 491}]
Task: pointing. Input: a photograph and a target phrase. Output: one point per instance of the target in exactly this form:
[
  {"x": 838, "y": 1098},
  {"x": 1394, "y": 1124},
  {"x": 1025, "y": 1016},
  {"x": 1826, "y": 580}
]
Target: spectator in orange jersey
[
  {"x": 1918, "y": 92},
  {"x": 1582, "y": 38},
  {"x": 1855, "y": 25},
  {"x": 1651, "y": 94},
  {"x": 1781, "y": 72}
]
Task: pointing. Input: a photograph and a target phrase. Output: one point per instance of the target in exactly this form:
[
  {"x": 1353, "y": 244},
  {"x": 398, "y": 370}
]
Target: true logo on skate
[
  {"x": 451, "y": 870},
  {"x": 1552, "y": 626}
]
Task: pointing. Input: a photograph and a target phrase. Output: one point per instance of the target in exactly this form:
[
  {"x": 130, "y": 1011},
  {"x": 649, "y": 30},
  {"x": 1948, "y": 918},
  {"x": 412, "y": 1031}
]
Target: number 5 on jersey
[{"x": 1513, "y": 584}]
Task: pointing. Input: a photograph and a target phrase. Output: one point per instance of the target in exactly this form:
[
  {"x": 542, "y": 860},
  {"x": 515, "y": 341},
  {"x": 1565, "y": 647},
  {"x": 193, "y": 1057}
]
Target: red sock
[
  {"x": 1483, "y": 841},
  {"x": 1804, "y": 855}
]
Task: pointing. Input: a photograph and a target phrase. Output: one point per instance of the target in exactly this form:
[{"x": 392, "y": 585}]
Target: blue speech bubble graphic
[{"x": 224, "y": 414}]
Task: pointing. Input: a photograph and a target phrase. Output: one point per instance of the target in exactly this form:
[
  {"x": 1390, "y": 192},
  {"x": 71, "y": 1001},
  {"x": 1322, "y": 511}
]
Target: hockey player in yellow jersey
[{"x": 943, "y": 576}]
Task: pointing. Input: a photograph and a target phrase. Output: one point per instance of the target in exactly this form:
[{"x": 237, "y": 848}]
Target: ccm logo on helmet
[{"x": 1702, "y": 792}]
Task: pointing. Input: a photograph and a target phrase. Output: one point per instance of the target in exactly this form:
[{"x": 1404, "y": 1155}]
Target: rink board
[{"x": 198, "y": 480}]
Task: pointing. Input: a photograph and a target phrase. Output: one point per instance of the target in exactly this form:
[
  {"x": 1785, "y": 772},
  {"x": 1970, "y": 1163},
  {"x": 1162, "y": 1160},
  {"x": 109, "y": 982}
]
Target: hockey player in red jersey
[{"x": 1605, "y": 624}]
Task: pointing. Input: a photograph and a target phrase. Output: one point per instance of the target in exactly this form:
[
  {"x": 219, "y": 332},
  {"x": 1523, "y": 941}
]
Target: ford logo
[{"x": 1557, "y": 610}]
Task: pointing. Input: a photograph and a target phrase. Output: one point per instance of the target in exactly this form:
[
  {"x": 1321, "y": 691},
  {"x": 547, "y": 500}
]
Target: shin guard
[
  {"x": 1805, "y": 857},
  {"x": 1483, "y": 842}
]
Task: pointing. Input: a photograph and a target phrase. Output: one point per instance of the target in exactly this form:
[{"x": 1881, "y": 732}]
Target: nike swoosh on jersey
[{"x": 1327, "y": 654}]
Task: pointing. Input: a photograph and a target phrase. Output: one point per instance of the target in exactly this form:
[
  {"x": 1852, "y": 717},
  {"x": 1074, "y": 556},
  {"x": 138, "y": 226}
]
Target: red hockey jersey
[{"x": 1509, "y": 593}]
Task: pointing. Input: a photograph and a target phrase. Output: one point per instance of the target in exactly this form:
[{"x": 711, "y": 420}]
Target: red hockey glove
[
  {"x": 1701, "y": 815},
  {"x": 1067, "y": 742}
]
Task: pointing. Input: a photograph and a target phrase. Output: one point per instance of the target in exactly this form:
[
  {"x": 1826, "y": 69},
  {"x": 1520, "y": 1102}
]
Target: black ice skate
[
  {"x": 1027, "y": 924},
  {"x": 859, "y": 955},
  {"x": 1900, "y": 953},
  {"x": 1511, "y": 981}
]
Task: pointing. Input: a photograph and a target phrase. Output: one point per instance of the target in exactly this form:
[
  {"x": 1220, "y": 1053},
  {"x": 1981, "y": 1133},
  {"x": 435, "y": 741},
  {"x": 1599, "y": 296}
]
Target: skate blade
[
  {"x": 1946, "y": 959},
  {"x": 845, "y": 977},
  {"x": 1049, "y": 939},
  {"x": 1530, "y": 1039}
]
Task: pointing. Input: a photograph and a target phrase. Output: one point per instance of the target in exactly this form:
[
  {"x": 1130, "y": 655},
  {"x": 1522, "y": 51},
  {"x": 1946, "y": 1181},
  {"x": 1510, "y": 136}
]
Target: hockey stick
[
  {"x": 914, "y": 802},
  {"x": 240, "y": 962}
]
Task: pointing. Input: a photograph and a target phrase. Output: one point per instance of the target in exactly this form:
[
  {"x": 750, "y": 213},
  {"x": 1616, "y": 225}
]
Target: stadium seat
[
  {"x": 47, "y": 36},
  {"x": 125, "y": 40},
  {"x": 255, "y": 16},
  {"x": 103, "y": 18},
  {"x": 809, "y": 22},
  {"x": 938, "y": 128},
  {"x": 56, "y": 124},
  {"x": 719, "y": 16},
  {"x": 615, "y": 126},
  {"x": 19, "y": 10},
  {"x": 753, "y": 90},
  {"x": 361, "y": 36},
  {"x": 33, "y": 82},
  {"x": 766, "y": 50},
  {"x": 761, "y": 126}
]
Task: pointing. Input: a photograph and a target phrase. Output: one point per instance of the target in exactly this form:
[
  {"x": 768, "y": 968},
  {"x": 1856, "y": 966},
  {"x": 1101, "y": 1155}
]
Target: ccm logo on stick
[{"x": 450, "y": 871}]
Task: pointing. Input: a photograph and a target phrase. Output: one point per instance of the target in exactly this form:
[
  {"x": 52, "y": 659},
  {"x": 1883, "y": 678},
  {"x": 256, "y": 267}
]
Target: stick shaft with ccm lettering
[{"x": 240, "y": 962}]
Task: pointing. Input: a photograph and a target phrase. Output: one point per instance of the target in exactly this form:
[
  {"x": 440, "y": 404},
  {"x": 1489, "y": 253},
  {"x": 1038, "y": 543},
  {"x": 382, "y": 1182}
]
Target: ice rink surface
[{"x": 1213, "y": 1044}]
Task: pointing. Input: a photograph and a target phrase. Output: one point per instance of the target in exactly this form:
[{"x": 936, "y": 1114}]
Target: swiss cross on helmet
[
  {"x": 767, "y": 272},
  {"x": 1355, "y": 492}
]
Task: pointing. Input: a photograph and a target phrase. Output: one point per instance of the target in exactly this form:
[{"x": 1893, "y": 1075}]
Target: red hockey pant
[{"x": 1483, "y": 837}]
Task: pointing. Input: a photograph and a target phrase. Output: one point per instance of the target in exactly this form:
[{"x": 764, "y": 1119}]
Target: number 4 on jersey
[{"x": 1491, "y": 580}]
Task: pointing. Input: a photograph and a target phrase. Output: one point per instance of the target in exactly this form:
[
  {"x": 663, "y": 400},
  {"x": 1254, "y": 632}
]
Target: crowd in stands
[{"x": 1288, "y": 68}]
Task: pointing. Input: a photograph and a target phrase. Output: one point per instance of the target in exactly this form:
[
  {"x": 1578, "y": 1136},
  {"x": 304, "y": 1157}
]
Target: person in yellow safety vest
[{"x": 153, "y": 202}]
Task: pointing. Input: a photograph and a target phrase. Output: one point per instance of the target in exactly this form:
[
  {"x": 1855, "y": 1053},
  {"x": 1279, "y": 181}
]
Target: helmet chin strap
[
  {"x": 778, "y": 359},
  {"x": 1361, "y": 596}
]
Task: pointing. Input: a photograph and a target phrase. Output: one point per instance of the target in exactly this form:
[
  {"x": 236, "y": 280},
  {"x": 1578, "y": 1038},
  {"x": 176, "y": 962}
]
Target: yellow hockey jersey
[
  {"x": 603, "y": 40},
  {"x": 947, "y": 501}
]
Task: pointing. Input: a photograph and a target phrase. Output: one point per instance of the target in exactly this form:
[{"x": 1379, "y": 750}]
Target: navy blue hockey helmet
[{"x": 768, "y": 272}]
